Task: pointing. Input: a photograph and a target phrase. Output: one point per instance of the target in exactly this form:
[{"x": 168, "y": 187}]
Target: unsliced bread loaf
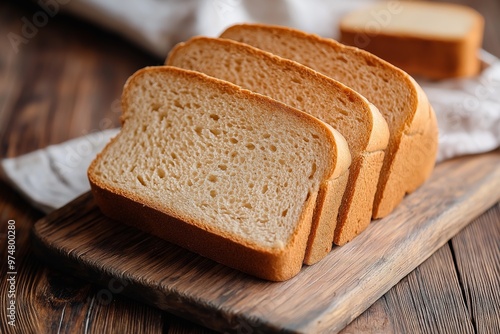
[
  {"x": 411, "y": 153},
  {"x": 345, "y": 110},
  {"x": 435, "y": 40},
  {"x": 221, "y": 171}
]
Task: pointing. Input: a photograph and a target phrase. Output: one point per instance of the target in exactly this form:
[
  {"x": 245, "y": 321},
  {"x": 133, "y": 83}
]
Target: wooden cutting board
[{"x": 323, "y": 298}]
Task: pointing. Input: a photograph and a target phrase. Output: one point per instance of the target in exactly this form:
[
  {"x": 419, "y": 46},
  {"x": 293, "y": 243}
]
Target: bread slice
[
  {"x": 435, "y": 40},
  {"x": 345, "y": 110},
  {"x": 224, "y": 172},
  {"x": 411, "y": 153}
]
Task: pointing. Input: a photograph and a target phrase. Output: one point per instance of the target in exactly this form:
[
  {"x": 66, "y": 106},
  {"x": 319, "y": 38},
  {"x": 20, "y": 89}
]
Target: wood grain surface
[
  {"x": 64, "y": 83},
  {"x": 323, "y": 298}
]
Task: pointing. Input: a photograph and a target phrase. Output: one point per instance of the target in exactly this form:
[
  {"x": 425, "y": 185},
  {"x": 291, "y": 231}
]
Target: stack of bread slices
[{"x": 262, "y": 148}]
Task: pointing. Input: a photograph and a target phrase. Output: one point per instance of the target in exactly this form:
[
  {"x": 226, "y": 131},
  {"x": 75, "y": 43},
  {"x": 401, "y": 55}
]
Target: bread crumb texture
[{"x": 215, "y": 156}]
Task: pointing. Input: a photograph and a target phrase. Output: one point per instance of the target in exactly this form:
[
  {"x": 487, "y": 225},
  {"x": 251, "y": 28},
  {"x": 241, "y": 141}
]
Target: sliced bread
[
  {"x": 224, "y": 172},
  {"x": 411, "y": 153},
  {"x": 345, "y": 110},
  {"x": 434, "y": 40}
]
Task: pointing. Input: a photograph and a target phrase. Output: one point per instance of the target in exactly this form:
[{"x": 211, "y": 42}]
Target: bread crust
[
  {"x": 412, "y": 163},
  {"x": 402, "y": 171},
  {"x": 279, "y": 265},
  {"x": 322, "y": 230},
  {"x": 436, "y": 57},
  {"x": 276, "y": 264},
  {"x": 327, "y": 207}
]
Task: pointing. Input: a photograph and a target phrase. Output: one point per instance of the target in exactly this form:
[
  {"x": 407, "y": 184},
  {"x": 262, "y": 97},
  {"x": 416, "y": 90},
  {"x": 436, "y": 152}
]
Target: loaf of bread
[
  {"x": 410, "y": 155},
  {"x": 434, "y": 40},
  {"x": 219, "y": 170},
  {"x": 296, "y": 85}
]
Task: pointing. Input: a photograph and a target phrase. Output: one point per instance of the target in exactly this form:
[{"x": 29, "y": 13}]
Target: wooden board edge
[
  {"x": 484, "y": 195},
  {"x": 174, "y": 303}
]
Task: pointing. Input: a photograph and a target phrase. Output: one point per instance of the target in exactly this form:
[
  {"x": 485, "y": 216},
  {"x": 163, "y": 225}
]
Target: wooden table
[{"x": 65, "y": 83}]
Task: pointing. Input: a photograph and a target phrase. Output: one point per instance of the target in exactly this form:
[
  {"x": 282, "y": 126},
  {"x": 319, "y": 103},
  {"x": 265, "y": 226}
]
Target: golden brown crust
[
  {"x": 322, "y": 230},
  {"x": 269, "y": 263},
  {"x": 328, "y": 203},
  {"x": 419, "y": 56},
  {"x": 276, "y": 266},
  {"x": 404, "y": 175},
  {"x": 369, "y": 167}
]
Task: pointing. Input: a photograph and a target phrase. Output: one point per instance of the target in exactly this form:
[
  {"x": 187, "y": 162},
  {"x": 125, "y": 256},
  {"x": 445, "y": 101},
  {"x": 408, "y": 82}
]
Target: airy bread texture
[
  {"x": 434, "y": 40},
  {"x": 345, "y": 110},
  {"x": 221, "y": 171},
  {"x": 413, "y": 140}
]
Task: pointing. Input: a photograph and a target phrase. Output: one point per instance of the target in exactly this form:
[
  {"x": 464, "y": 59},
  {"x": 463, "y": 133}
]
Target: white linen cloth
[{"x": 468, "y": 110}]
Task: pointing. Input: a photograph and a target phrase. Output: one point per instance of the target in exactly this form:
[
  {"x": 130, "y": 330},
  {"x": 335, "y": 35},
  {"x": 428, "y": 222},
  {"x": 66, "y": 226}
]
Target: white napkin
[
  {"x": 468, "y": 110},
  {"x": 53, "y": 176},
  {"x": 157, "y": 25}
]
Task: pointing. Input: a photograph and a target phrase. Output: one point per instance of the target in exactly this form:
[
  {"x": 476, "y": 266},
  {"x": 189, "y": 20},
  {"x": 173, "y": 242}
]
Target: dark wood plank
[
  {"x": 48, "y": 301},
  {"x": 375, "y": 320},
  {"x": 12, "y": 207},
  {"x": 323, "y": 297},
  {"x": 406, "y": 307},
  {"x": 182, "y": 326},
  {"x": 428, "y": 300},
  {"x": 477, "y": 256},
  {"x": 41, "y": 293},
  {"x": 120, "y": 315}
]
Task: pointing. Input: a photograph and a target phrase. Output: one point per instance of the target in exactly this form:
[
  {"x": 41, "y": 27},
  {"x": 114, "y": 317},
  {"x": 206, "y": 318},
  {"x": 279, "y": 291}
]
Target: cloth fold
[
  {"x": 157, "y": 25},
  {"x": 468, "y": 110},
  {"x": 53, "y": 176}
]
